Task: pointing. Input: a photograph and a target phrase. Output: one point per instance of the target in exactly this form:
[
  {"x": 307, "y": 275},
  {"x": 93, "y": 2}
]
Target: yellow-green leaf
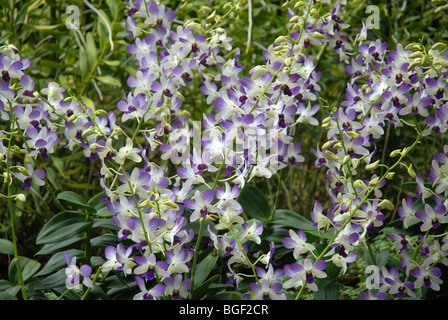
[
  {"x": 109, "y": 80},
  {"x": 91, "y": 50}
]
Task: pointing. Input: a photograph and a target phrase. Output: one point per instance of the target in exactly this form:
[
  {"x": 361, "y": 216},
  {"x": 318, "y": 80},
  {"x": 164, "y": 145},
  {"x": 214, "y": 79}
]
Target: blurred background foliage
[{"x": 94, "y": 64}]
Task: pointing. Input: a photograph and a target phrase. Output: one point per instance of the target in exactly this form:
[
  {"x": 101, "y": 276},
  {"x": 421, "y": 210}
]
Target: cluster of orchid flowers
[
  {"x": 250, "y": 134},
  {"x": 399, "y": 87}
]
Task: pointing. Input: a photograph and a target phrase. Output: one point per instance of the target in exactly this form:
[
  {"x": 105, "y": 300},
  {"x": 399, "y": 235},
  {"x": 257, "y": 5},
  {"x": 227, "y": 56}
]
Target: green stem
[
  {"x": 86, "y": 294},
  {"x": 300, "y": 292},
  {"x": 195, "y": 256},
  {"x": 137, "y": 130},
  {"x": 12, "y": 222},
  {"x": 280, "y": 176}
]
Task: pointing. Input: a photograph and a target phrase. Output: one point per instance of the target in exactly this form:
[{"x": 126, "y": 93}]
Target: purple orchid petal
[{"x": 208, "y": 196}]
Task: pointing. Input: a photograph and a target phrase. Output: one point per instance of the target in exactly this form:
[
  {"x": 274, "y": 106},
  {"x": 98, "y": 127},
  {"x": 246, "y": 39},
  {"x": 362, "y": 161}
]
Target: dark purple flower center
[
  {"x": 242, "y": 99},
  {"x": 150, "y": 275},
  {"x": 78, "y": 135},
  {"x": 435, "y": 223},
  {"x": 427, "y": 282},
  {"x": 286, "y": 90},
  {"x": 186, "y": 76},
  {"x": 109, "y": 155},
  {"x": 201, "y": 168},
  {"x": 436, "y": 129},
  {"x": 228, "y": 251},
  {"x": 376, "y": 55},
  {"x": 346, "y": 126},
  {"x": 175, "y": 295},
  {"x": 281, "y": 121},
  {"x": 341, "y": 251},
  {"x": 307, "y": 43},
  {"x": 126, "y": 234},
  {"x": 43, "y": 153},
  {"x": 28, "y": 93},
  {"x": 401, "y": 291},
  {"x": 338, "y": 45},
  {"x": 35, "y": 124},
  {"x": 204, "y": 212},
  {"x": 292, "y": 161},
  {"x": 299, "y": 97},
  {"x": 5, "y": 75},
  {"x": 396, "y": 102},
  {"x": 147, "y": 296},
  {"x": 130, "y": 109},
  {"x": 27, "y": 183},
  {"x": 309, "y": 277}
]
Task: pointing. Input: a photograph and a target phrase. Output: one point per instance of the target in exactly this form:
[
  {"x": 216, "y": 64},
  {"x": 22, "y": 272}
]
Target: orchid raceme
[{"x": 210, "y": 174}]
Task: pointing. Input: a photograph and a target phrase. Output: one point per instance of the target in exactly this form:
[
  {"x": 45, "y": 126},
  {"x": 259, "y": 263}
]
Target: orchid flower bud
[
  {"x": 20, "y": 197},
  {"x": 386, "y": 204},
  {"x": 372, "y": 166}
]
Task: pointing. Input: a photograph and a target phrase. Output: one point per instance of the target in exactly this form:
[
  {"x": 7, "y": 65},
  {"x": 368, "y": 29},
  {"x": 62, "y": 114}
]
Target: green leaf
[
  {"x": 330, "y": 292},
  {"x": 27, "y": 266},
  {"x": 53, "y": 178},
  {"x": 59, "y": 164},
  {"x": 7, "y": 296},
  {"x": 51, "y": 248},
  {"x": 57, "y": 261},
  {"x": 105, "y": 224},
  {"x": 6, "y": 247},
  {"x": 381, "y": 258},
  {"x": 104, "y": 240},
  {"x": 100, "y": 207},
  {"x": 104, "y": 212},
  {"x": 109, "y": 80},
  {"x": 6, "y": 35},
  {"x": 92, "y": 54},
  {"x": 293, "y": 220},
  {"x": 112, "y": 63},
  {"x": 89, "y": 103},
  {"x": 95, "y": 201},
  {"x": 254, "y": 203},
  {"x": 204, "y": 268},
  {"x": 83, "y": 64},
  {"x": 112, "y": 7},
  {"x": 54, "y": 64},
  {"x": 74, "y": 199},
  {"x": 8, "y": 290},
  {"x": 199, "y": 291},
  {"x": 96, "y": 261},
  {"x": 52, "y": 281},
  {"x": 102, "y": 34},
  {"x": 62, "y": 227}
]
